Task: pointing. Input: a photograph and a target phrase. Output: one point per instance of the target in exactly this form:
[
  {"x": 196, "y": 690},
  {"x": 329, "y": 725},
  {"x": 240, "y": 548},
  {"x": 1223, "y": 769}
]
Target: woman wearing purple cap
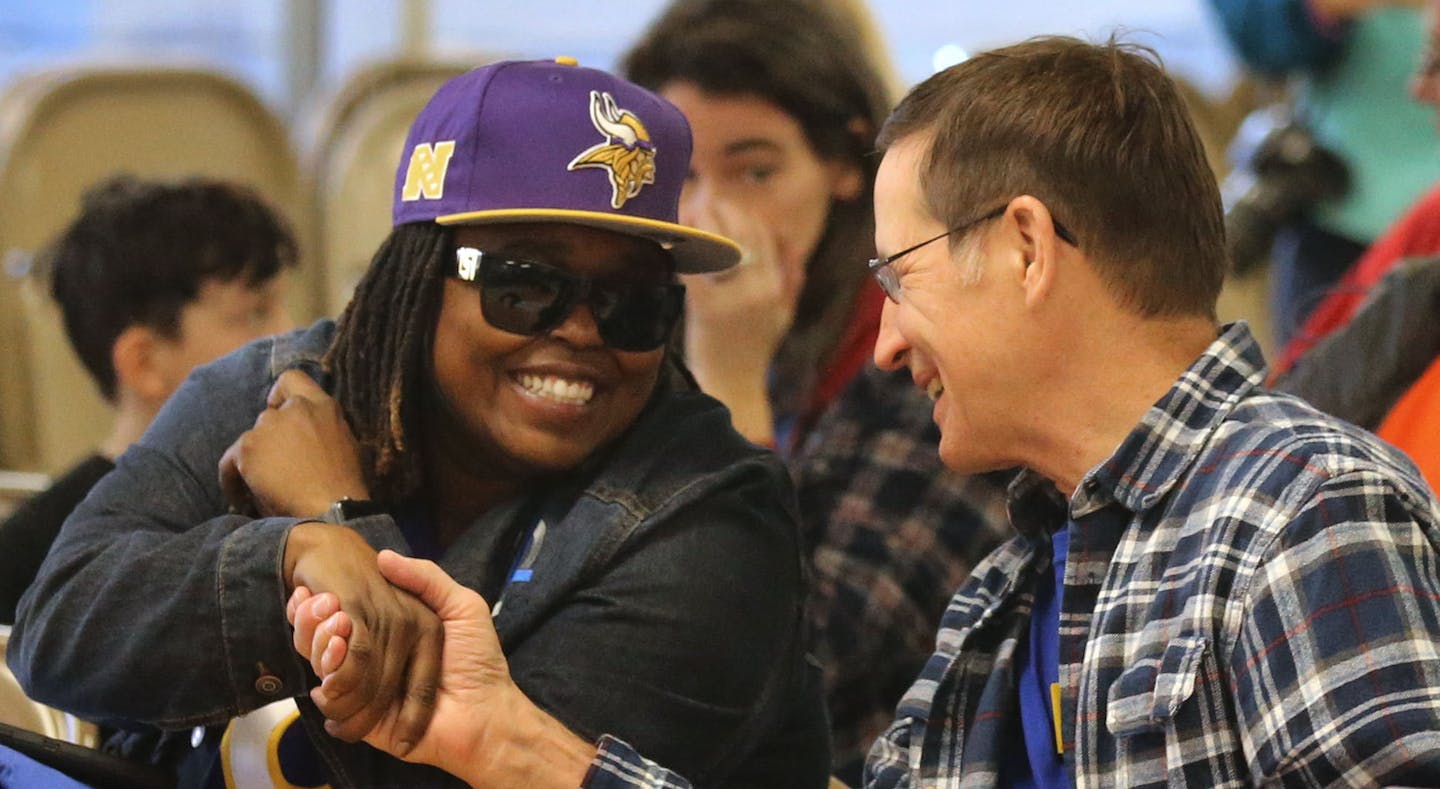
[{"x": 497, "y": 397}]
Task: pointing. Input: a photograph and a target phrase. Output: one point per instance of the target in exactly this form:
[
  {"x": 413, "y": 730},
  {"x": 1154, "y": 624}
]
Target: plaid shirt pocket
[{"x": 1147, "y": 695}]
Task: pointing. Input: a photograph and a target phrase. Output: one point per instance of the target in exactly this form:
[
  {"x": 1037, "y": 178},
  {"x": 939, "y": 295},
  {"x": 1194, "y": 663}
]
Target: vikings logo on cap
[{"x": 627, "y": 153}]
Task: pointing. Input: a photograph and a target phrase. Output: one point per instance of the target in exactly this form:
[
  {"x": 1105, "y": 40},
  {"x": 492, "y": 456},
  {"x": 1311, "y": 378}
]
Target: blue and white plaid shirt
[{"x": 1252, "y": 597}]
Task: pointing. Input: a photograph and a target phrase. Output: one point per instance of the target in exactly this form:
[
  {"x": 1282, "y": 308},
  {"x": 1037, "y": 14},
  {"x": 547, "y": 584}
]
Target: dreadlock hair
[{"x": 378, "y": 359}]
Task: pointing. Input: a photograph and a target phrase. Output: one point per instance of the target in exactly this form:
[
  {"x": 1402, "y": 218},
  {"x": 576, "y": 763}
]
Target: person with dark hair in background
[
  {"x": 784, "y": 102},
  {"x": 784, "y": 105},
  {"x": 1211, "y": 585},
  {"x": 497, "y": 395},
  {"x": 153, "y": 279}
]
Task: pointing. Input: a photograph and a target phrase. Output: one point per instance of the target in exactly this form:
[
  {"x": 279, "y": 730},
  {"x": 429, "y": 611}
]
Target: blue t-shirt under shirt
[{"x": 1039, "y": 661}]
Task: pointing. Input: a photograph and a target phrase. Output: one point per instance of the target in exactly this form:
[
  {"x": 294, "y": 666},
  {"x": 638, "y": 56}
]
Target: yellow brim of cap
[{"x": 695, "y": 251}]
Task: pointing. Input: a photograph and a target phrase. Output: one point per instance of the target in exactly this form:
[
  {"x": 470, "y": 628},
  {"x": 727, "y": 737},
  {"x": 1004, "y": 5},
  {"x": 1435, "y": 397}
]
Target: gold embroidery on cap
[
  {"x": 627, "y": 153},
  {"x": 425, "y": 177}
]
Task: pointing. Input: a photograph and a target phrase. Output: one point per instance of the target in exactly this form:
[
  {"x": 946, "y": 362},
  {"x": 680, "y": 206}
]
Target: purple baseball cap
[{"x": 549, "y": 141}]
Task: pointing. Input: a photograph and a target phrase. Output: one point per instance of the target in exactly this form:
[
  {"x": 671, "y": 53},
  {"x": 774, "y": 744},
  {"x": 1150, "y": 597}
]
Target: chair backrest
[
  {"x": 354, "y": 145},
  {"x": 17, "y": 486},
  {"x": 62, "y": 131}
]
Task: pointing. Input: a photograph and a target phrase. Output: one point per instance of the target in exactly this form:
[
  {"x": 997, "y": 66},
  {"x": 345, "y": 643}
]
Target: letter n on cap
[{"x": 425, "y": 177}]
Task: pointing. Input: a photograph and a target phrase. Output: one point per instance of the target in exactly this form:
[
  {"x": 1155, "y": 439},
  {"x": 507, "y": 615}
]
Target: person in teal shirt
[{"x": 1353, "y": 60}]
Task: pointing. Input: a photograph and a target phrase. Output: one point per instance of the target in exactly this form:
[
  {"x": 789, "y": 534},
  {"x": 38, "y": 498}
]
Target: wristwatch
[{"x": 348, "y": 509}]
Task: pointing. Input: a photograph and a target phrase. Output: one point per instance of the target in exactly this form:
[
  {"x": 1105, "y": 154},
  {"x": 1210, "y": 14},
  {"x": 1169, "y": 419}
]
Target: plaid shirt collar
[{"x": 1177, "y": 428}]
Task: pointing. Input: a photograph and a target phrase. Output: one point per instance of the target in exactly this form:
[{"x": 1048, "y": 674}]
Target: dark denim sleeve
[
  {"x": 1277, "y": 36},
  {"x": 690, "y": 635},
  {"x": 154, "y": 605},
  {"x": 26, "y": 536}
]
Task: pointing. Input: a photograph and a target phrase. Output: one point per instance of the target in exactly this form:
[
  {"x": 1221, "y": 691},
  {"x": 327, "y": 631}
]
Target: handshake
[{"x": 475, "y": 724}]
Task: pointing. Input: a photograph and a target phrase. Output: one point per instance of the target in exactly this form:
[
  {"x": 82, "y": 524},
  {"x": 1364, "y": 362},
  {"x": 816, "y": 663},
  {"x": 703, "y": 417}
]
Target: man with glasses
[
  {"x": 1210, "y": 584},
  {"x": 499, "y": 396}
]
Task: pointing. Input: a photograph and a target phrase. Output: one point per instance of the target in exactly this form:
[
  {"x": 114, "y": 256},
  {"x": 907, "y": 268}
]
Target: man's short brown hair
[{"x": 1099, "y": 134}]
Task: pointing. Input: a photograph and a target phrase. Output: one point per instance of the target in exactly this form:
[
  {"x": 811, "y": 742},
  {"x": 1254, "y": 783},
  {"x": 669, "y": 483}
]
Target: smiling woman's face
[{"x": 538, "y": 404}]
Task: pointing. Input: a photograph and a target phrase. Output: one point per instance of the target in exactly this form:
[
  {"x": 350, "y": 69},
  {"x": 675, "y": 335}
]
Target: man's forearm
[{"x": 527, "y": 748}]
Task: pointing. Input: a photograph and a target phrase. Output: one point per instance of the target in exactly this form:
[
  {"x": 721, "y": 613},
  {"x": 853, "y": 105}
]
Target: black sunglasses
[{"x": 525, "y": 297}]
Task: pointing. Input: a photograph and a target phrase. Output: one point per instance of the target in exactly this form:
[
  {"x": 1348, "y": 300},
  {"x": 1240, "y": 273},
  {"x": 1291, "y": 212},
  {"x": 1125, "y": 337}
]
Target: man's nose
[{"x": 891, "y": 348}]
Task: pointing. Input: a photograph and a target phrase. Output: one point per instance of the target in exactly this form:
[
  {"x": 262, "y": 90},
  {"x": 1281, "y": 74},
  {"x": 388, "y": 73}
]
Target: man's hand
[
  {"x": 394, "y": 640},
  {"x": 485, "y": 730},
  {"x": 298, "y": 458}
]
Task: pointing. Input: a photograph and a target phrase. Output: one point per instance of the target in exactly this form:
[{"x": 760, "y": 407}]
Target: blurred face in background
[
  {"x": 223, "y": 316},
  {"x": 752, "y": 156}
]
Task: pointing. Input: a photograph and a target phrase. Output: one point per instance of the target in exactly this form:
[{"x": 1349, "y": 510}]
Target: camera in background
[{"x": 1279, "y": 174}]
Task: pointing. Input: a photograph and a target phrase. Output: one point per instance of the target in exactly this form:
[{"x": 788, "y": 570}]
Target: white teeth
[
  {"x": 558, "y": 389},
  {"x": 934, "y": 389}
]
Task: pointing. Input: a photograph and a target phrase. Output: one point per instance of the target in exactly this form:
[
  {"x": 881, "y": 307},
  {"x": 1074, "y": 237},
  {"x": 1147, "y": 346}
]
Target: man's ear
[
  {"x": 1038, "y": 246},
  {"x": 139, "y": 368}
]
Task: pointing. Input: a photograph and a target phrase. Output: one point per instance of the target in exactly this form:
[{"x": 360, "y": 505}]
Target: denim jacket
[{"x": 664, "y": 606}]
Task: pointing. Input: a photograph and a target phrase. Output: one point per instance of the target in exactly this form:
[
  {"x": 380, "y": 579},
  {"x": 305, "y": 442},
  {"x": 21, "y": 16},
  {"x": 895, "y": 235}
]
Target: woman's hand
[
  {"x": 298, "y": 458},
  {"x": 735, "y": 319}
]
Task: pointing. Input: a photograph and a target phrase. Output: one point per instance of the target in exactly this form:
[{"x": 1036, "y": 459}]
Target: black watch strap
[{"x": 348, "y": 509}]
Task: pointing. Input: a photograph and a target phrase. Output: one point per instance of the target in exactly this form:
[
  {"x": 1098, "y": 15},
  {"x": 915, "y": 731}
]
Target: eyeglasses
[
  {"x": 890, "y": 281},
  {"x": 530, "y": 298}
]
